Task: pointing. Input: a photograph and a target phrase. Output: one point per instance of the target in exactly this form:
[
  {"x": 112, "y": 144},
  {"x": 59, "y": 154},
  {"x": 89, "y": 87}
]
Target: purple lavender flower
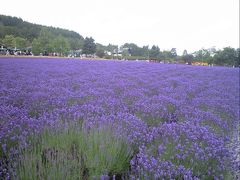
[{"x": 178, "y": 118}]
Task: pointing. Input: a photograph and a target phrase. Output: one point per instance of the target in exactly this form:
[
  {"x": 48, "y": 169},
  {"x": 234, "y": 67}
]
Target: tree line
[{"x": 16, "y": 33}]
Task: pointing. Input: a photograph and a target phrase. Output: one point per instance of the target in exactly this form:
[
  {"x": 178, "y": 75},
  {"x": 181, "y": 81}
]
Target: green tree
[
  {"x": 111, "y": 48},
  {"x": 173, "y": 53},
  {"x": 133, "y": 49},
  {"x": 60, "y": 45},
  {"x": 227, "y": 56},
  {"x": 75, "y": 43},
  {"x": 125, "y": 52},
  {"x": 21, "y": 43},
  {"x": 45, "y": 38},
  {"x": 203, "y": 55},
  {"x": 100, "y": 53},
  {"x": 36, "y": 47},
  {"x": 89, "y": 47},
  {"x": 44, "y": 42},
  {"x": 154, "y": 52},
  {"x": 185, "y": 52},
  {"x": 167, "y": 55},
  {"x": 9, "y": 41},
  {"x": 188, "y": 58},
  {"x": 185, "y": 56},
  {"x": 237, "y": 57},
  {"x": 19, "y": 28},
  {"x": 145, "y": 51}
]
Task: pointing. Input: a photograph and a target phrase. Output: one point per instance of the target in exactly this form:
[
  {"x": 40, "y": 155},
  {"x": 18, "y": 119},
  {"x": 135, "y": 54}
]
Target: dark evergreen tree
[
  {"x": 173, "y": 53},
  {"x": 89, "y": 47},
  {"x": 154, "y": 52}
]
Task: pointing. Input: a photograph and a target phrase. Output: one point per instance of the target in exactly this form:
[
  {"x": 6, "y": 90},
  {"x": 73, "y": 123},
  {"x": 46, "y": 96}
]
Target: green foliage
[
  {"x": 202, "y": 55},
  {"x": 18, "y": 28},
  {"x": 45, "y": 38},
  {"x": 75, "y": 43},
  {"x": 173, "y": 53},
  {"x": 47, "y": 42},
  {"x": 111, "y": 48},
  {"x": 106, "y": 153},
  {"x": 185, "y": 52},
  {"x": 166, "y": 55},
  {"x": 36, "y": 47},
  {"x": 154, "y": 52},
  {"x": 21, "y": 43},
  {"x": 89, "y": 47},
  {"x": 60, "y": 45},
  {"x": 52, "y": 156},
  {"x": 14, "y": 32},
  {"x": 9, "y": 41},
  {"x": 74, "y": 154},
  {"x": 29, "y": 31},
  {"x": 188, "y": 58},
  {"x": 133, "y": 49},
  {"x": 100, "y": 53},
  {"x": 237, "y": 61},
  {"x": 227, "y": 56}
]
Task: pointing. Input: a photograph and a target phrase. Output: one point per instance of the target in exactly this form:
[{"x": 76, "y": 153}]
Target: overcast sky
[{"x": 183, "y": 24}]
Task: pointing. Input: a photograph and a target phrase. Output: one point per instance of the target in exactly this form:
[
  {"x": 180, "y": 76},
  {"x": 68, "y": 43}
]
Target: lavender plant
[
  {"x": 173, "y": 121},
  {"x": 74, "y": 154}
]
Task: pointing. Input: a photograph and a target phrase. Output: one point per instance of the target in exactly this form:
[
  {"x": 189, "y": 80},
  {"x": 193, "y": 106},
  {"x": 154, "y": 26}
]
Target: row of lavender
[{"x": 180, "y": 118}]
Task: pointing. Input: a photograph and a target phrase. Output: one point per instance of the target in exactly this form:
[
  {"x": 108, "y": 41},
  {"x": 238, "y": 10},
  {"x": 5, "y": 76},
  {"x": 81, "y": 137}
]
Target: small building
[{"x": 197, "y": 63}]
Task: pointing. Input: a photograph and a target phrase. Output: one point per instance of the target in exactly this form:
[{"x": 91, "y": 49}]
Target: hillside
[
  {"x": 15, "y": 32},
  {"x": 17, "y": 27}
]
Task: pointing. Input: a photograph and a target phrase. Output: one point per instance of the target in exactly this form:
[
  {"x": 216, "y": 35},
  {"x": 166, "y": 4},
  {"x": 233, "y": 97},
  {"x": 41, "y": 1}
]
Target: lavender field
[{"x": 73, "y": 119}]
